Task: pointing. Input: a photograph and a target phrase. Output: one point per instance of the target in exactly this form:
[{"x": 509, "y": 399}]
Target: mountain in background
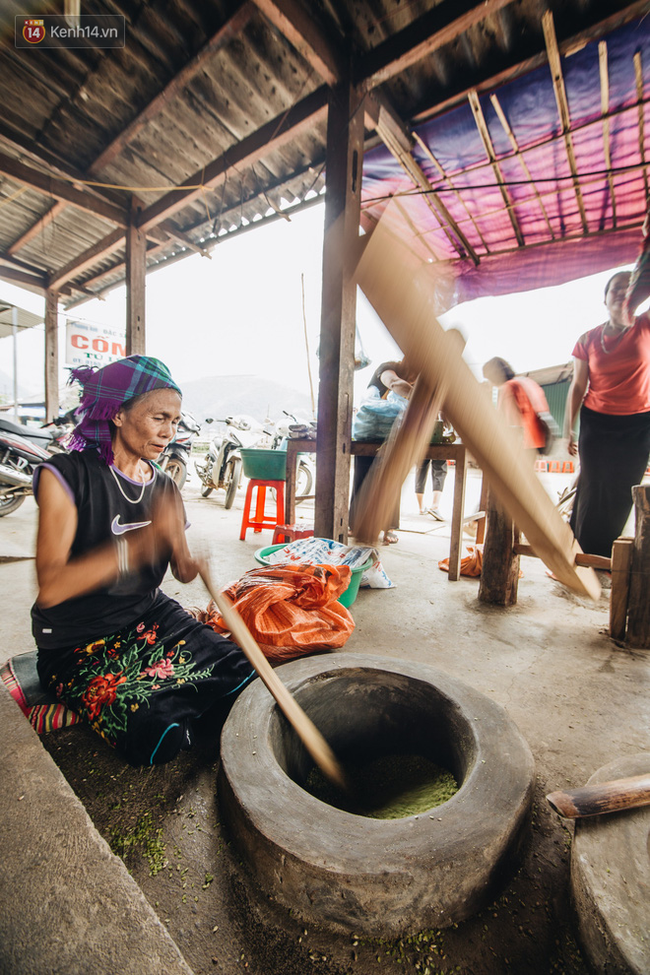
[
  {"x": 7, "y": 388},
  {"x": 221, "y": 396}
]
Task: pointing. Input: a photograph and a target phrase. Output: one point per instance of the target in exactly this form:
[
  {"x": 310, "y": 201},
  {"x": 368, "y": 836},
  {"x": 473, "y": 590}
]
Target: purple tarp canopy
[{"x": 523, "y": 219}]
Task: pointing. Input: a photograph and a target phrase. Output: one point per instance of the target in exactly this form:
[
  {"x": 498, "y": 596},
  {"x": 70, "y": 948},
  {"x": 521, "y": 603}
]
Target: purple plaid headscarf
[{"x": 105, "y": 390}]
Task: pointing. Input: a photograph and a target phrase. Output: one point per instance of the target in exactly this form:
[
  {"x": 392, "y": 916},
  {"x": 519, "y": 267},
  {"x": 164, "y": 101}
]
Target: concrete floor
[{"x": 580, "y": 701}]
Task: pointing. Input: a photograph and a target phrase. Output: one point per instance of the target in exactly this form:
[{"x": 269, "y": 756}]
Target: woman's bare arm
[
  {"x": 392, "y": 381},
  {"x": 61, "y": 577},
  {"x": 576, "y": 394}
]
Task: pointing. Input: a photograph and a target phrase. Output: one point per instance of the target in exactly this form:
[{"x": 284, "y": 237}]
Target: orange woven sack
[
  {"x": 291, "y": 610},
  {"x": 470, "y": 565}
]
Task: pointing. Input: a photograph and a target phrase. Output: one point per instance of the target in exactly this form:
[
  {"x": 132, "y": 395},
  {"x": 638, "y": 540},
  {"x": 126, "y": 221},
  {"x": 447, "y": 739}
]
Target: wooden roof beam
[
  {"x": 33, "y": 281},
  {"x": 271, "y": 135},
  {"x": 450, "y": 183},
  {"x": 37, "y": 228},
  {"x": 399, "y": 142},
  {"x": 101, "y": 249},
  {"x": 173, "y": 233},
  {"x": 168, "y": 261},
  {"x": 98, "y": 278},
  {"x": 299, "y": 28},
  {"x": 421, "y": 38},
  {"x": 555, "y": 66},
  {"x": 488, "y": 145},
  {"x": 496, "y": 104},
  {"x": 638, "y": 74},
  {"x": 485, "y": 83},
  {"x": 223, "y": 36},
  {"x": 61, "y": 190},
  {"x": 604, "y": 108}
]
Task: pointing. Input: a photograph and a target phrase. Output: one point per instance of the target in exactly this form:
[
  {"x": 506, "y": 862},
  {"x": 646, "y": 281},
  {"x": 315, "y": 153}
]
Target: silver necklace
[
  {"x": 123, "y": 492},
  {"x": 602, "y": 339}
]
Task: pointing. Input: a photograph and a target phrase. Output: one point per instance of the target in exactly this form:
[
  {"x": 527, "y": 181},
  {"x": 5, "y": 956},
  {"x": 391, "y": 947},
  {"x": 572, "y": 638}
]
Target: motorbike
[
  {"x": 222, "y": 467},
  {"x": 305, "y": 473},
  {"x": 19, "y": 457},
  {"x": 175, "y": 457},
  {"x": 48, "y": 437}
]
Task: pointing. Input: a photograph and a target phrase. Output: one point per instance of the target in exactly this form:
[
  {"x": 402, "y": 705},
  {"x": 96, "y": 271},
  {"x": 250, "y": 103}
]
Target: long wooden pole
[
  {"x": 403, "y": 290},
  {"x": 306, "y": 730}
]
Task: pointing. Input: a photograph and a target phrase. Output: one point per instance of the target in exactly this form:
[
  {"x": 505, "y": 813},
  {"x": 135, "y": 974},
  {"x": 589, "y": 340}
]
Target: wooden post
[
  {"x": 620, "y": 592},
  {"x": 638, "y": 617},
  {"x": 500, "y": 570},
  {"x": 51, "y": 354},
  {"x": 136, "y": 247},
  {"x": 482, "y": 506},
  {"x": 343, "y": 168}
]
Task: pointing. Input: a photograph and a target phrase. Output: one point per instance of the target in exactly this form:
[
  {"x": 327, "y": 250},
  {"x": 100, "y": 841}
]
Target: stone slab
[
  {"x": 68, "y": 904},
  {"x": 610, "y": 879}
]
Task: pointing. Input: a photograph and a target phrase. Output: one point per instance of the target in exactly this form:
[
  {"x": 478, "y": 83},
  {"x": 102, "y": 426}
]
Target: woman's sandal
[{"x": 390, "y": 538}]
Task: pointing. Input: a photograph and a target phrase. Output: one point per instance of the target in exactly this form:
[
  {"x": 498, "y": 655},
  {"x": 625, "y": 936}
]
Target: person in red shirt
[
  {"x": 611, "y": 391},
  {"x": 520, "y": 400}
]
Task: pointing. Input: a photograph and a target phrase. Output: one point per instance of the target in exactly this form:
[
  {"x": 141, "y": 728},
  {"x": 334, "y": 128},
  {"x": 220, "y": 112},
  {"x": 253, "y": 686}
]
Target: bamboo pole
[{"x": 403, "y": 289}]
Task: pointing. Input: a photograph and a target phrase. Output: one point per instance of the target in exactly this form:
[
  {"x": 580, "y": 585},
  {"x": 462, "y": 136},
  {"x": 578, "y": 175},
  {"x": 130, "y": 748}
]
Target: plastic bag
[
  {"x": 322, "y": 551},
  {"x": 375, "y": 417},
  {"x": 290, "y": 610},
  {"x": 376, "y": 578}
]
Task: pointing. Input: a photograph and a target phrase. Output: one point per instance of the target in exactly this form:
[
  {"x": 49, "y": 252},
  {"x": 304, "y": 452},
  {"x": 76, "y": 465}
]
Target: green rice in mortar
[{"x": 390, "y": 787}]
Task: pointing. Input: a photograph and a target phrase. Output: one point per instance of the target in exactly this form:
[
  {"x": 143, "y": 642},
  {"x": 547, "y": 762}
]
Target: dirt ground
[{"x": 579, "y": 700}]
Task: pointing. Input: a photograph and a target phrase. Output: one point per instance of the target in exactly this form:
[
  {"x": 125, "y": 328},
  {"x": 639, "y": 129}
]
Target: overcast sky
[{"x": 241, "y": 313}]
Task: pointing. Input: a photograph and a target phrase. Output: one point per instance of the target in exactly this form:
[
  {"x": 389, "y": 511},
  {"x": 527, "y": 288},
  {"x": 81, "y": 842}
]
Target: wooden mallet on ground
[
  {"x": 304, "y": 727},
  {"x": 602, "y": 797}
]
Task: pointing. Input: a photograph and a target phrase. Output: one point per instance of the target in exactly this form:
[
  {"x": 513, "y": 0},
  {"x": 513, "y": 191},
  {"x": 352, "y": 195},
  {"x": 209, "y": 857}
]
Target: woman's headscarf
[{"x": 105, "y": 390}]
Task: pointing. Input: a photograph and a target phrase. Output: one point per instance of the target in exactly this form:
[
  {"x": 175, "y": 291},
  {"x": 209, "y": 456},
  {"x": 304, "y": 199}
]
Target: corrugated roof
[{"x": 229, "y": 101}]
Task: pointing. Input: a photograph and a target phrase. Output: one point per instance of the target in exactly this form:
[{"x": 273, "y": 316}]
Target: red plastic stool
[
  {"x": 262, "y": 520},
  {"x": 288, "y": 533}
]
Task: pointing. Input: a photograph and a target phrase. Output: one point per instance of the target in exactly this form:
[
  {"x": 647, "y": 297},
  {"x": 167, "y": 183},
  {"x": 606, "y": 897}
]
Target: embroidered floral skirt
[{"x": 143, "y": 688}]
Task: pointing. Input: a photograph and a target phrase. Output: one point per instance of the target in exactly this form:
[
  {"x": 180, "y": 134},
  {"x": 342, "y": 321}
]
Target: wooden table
[{"x": 455, "y": 452}]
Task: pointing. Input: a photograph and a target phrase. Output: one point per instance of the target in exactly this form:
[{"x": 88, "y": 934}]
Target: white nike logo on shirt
[{"x": 119, "y": 529}]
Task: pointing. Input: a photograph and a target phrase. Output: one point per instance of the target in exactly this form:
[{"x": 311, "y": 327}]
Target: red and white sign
[{"x": 93, "y": 345}]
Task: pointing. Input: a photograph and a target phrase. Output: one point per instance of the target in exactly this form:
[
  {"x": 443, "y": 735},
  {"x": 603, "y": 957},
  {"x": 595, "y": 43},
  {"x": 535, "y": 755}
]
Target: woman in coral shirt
[{"x": 611, "y": 390}]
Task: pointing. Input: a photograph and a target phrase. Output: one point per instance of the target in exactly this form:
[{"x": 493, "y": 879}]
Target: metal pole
[{"x": 14, "y": 329}]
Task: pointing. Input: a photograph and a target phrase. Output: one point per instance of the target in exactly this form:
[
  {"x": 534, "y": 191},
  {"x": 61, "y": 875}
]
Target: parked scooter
[
  {"x": 19, "y": 458},
  {"x": 306, "y": 471},
  {"x": 176, "y": 455},
  {"x": 222, "y": 467},
  {"x": 48, "y": 437}
]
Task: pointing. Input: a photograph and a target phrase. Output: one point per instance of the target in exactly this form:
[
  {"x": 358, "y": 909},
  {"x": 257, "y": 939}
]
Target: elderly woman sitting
[{"x": 114, "y": 648}]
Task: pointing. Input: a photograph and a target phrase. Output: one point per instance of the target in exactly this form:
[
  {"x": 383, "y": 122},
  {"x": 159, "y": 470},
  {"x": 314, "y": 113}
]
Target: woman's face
[
  {"x": 146, "y": 428},
  {"x": 616, "y": 295}
]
